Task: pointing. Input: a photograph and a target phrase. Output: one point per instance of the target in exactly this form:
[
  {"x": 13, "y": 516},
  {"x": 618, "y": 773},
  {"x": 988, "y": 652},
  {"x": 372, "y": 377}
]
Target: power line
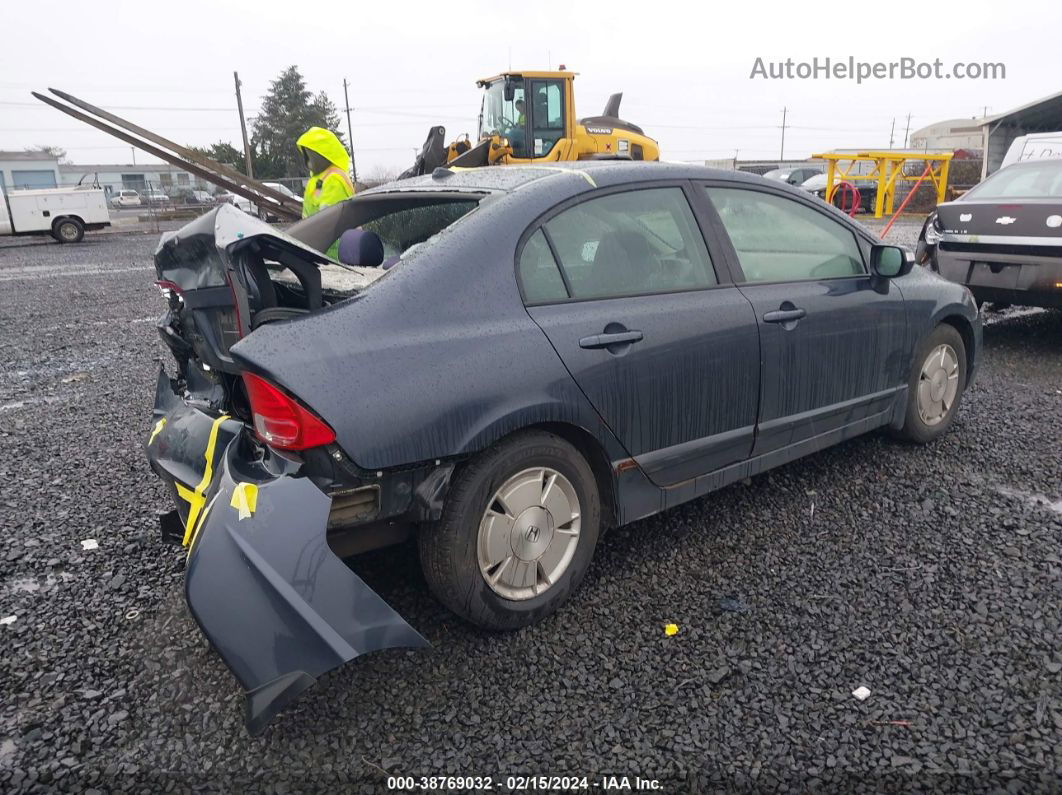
[{"x": 127, "y": 107}]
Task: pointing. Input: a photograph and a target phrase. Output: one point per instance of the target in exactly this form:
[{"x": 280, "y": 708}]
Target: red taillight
[
  {"x": 281, "y": 422},
  {"x": 168, "y": 288}
]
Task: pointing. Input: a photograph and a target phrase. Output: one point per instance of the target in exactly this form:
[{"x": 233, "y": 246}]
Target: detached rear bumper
[{"x": 262, "y": 583}]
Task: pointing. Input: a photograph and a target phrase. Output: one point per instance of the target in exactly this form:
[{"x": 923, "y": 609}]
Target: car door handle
[
  {"x": 784, "y": 315},
  {"x": 613, "y": 338}
]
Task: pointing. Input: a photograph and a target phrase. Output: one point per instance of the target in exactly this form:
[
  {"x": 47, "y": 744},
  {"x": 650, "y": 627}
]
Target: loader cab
[{"x": 532, "y": 110}]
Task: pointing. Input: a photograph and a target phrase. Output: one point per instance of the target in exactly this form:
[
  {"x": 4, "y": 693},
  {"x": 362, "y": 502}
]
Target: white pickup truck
[{"x": 63, "y": 213}]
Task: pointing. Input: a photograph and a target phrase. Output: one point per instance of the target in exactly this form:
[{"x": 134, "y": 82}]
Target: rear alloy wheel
[
  {"x": 69, "y": 230},
  {"x": 937, "y": 382},
  {"x": 518, "y": 530},
  {"x": 529, "y": 533}
]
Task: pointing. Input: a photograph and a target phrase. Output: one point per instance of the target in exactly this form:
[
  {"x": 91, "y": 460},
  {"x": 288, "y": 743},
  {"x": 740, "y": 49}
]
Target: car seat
[
  {"x": 623, "y": 264},
  {"x": 361, "y": 247}
]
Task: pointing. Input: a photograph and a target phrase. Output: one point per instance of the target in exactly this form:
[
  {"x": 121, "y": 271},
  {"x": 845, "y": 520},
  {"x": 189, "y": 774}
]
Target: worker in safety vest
[{"x": 329, "y": 166}]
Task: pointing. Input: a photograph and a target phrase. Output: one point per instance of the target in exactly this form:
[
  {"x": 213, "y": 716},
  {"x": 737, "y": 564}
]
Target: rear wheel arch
[
  {"x": 591, "y": 449},
  {"x": 587, "y": 446}
]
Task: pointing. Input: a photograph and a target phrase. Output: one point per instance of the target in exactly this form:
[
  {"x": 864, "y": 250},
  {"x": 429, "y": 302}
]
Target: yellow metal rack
[{"x": 887, "y": 169}]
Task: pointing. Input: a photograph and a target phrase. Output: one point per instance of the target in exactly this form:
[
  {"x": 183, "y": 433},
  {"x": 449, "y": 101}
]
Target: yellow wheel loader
[{"x": 529, "y": 117}]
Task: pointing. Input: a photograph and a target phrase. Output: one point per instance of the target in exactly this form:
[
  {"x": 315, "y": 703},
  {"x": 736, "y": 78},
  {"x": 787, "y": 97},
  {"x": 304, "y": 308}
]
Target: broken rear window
[
  {"x": 405, "y": 228},
  {"x": 402, "y": 220}
]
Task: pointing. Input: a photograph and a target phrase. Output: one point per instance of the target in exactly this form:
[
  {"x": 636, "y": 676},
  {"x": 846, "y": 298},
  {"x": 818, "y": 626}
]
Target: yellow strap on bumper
[
  {"x": 155, "y": 431},
  {"x": 244, "y": 500},
  {"x": 195, "y": 498}
]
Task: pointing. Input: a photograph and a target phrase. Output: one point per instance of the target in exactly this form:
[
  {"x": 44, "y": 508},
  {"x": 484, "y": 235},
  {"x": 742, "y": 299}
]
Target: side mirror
[{"x": 890, "y": 261}]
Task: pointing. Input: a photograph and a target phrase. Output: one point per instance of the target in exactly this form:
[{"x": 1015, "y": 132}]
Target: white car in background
[
  {"x": 238, "y": 202},
  {"x": 263, "y": 210},
  {"x": 795, "y": 175},
  {"x": 153, "y": 196},
  {"x": 125, "y": 198}
]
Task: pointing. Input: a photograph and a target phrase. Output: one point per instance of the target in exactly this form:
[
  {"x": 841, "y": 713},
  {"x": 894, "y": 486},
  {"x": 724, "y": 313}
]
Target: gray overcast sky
[{"x": 684, "y": 69}]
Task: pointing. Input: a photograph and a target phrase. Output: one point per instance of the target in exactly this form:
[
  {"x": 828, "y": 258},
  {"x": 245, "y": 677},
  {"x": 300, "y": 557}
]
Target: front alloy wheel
[
  {"x": 937, "y": 381},
  {"x": 938, "y": 384}
]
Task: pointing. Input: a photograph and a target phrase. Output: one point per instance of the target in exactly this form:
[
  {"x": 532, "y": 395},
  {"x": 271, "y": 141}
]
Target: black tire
[
  {"x": 448, "y": 548},
  {"x": 68, "y": 230},
  {"x": 914, "y": 428}
]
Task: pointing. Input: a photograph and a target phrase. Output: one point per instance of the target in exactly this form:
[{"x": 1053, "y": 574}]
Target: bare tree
[
  {"x": 52, "y": 151},
  {"x": 378, "y": 175}
]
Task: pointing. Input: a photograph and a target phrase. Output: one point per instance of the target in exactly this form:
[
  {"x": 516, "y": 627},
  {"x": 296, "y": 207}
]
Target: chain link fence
[{"x": 156, "y": 205}]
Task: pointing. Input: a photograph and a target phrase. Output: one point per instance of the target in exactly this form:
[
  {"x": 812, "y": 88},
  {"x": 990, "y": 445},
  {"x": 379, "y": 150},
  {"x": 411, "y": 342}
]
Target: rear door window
[
  {"x": 778, "y": 239},
  {"x": 540, "y": 277},
  {"x": 637, "y": 242}
]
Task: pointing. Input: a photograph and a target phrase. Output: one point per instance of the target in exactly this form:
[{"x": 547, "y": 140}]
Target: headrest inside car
[{"x": 361, "y": 247}]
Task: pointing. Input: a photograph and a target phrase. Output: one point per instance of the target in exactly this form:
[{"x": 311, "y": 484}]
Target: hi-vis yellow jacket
[{"x": 332, "y": 185}]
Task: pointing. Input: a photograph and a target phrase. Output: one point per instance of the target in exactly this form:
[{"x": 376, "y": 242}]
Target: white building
[
  {"x": 28, "y": 170},
  {"x": 947, "y": 136},
  {"x": 992, "y": 135},
  {"x": 113, "y": 177}
]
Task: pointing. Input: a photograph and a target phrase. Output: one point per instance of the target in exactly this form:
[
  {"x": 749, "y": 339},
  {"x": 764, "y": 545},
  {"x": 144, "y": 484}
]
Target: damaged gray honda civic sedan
[{"x": 506, "y": 361}]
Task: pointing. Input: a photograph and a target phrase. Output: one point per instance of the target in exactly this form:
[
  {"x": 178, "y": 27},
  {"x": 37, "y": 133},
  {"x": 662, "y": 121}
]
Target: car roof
[{"x": 581, "y": 174}]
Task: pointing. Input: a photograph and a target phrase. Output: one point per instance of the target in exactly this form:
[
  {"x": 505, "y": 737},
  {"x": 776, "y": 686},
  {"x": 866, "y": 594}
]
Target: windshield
[
  {"x": 501, "y": 116},
  {"x": 1041, "y": 179}
]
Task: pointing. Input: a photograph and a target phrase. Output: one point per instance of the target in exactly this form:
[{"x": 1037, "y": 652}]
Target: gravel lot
[{"x": 932, "y": 576}]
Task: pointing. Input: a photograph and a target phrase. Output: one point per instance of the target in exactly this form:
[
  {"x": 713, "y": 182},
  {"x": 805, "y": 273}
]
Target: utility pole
[
  {"x": 350, "y": 134},
  {"x": 907, "y": 131},
  {"x": 781, "y": 155},
  {"x": 892, "y": 132},
  {"x": 243, "y": 127},
  {"x": 133, "y": 150}
]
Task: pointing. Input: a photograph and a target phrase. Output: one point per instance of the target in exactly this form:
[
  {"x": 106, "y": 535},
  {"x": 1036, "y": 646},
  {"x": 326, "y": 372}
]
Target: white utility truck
[{"x": 63, "y": 213}]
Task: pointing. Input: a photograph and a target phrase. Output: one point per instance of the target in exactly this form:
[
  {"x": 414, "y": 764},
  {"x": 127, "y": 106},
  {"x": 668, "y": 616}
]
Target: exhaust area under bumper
[{"x": 262, "y": 583}]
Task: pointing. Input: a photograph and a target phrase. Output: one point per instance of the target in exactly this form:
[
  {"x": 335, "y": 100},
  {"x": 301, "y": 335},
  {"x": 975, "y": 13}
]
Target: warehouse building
[
  {"x": 998, "y": 132},
  {"x": 947, "y": 136},
  {"x": 28, "y": 170},
  {"x": 138, "y": 177},
  {"x": 992, "y": 135}
]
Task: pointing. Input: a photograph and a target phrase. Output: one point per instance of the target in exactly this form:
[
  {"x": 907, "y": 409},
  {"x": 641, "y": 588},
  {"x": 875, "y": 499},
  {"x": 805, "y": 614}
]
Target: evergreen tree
[
  {"x": 224, "y": 152},
  {"x": 288, "y": 110}
]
